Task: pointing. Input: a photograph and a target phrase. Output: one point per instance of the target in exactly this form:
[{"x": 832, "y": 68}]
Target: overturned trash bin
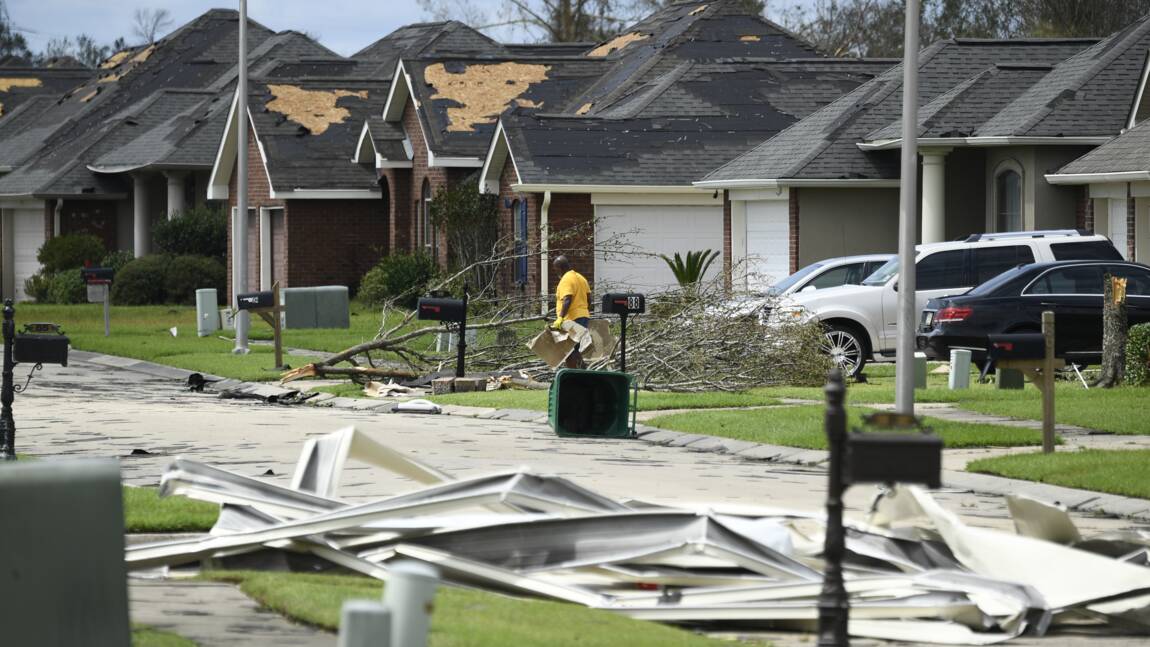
[{"x": 590, "y": 403}]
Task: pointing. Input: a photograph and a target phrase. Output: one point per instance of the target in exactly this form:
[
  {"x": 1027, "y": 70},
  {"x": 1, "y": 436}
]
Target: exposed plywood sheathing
[
  {"x": 88, "y": 97},
  {"x": 483, "y": 91},
  {"x": 9, "y": 83},
  {"x": 315, "y": 110},
  {"x": 583, "y": 109},
  {"x": 750, "y": 39},
  {"x": 617, "y": 43},
  {"x": 698, "y": 10},
  {"x": 144, "y": 54},
  {"x": 115, "y": 59}
]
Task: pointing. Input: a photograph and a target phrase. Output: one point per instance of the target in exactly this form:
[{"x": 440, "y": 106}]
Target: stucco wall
[
  {"x": 1055, "y": 206},
  {"x": 840, "y": 222},
  {"x": 965, "y": 192}
]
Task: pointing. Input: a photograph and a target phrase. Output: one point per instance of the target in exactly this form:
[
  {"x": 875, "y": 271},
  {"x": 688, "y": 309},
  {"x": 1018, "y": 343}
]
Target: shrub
[
  {"x": 69, "y": 252},
  {"x": 141, "y": 282},
  {"x": 186, "y": 274},
  {"x": 199, "y": 232},
  {"x": 1138, "y": 356},
  {"x": 117, "y": 260},
  {"x": 67, "y": 286},
  {"x": 402, "y": 277},
  {"x": 37, "y": 286}
]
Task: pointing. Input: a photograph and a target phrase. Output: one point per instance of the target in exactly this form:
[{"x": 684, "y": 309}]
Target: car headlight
[{"x": 789, "y": 315}]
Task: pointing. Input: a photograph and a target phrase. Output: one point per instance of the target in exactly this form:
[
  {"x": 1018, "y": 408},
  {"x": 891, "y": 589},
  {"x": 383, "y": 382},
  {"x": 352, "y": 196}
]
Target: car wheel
[{"x": 848, "y": 350}]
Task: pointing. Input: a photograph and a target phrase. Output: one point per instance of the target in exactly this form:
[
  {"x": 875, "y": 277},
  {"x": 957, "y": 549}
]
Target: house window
[
  {"x": 519, "y": 223},
  {"x": 428, "y": 237},
  {"x": 1008, "y": 200}
]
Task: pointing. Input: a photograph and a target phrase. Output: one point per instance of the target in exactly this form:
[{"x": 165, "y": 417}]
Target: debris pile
[{"x": 914, "y": 572}]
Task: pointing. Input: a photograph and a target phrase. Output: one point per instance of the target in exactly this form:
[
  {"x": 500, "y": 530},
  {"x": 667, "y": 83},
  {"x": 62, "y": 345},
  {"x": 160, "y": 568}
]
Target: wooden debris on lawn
[
  {"x": 482, "y": 91},
  {"x": 315, "y": 110},
  {"x": 375, "y": 389},
  {"x": 617, "y": 43}
]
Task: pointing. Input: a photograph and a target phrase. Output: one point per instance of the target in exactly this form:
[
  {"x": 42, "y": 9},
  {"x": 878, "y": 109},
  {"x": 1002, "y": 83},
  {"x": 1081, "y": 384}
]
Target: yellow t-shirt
[{"x": 576, "y": 286}]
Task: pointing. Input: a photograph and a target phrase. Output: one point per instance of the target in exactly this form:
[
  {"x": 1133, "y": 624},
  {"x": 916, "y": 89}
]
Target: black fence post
[
  {"x": 461, "y": 347},
  {"x": 7, "y": 390},
  {"x": 834, "y": 607}
]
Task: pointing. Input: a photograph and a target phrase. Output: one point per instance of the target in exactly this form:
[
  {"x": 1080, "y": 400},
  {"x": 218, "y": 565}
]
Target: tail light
[{"x": 951, "y": 314}]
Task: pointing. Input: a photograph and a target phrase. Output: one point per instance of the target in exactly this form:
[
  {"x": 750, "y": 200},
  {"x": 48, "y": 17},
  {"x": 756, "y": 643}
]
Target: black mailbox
[
  {"x": 1016, "y": 346},
  {"x": 621, "y": 303},
  {"x": 255, "y": 300},
  {"x": 440, "y": 309},
  {"x": 35, "y": 348},
  {"x": 911, "y": 456},
  {"x": 97, "y": 275}
]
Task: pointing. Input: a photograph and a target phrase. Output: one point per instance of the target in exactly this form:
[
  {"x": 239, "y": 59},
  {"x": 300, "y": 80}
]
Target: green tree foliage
[
  {"x": 186, "y": 274},
  {"x": 690, "y": 270},
  {"x": 70, "y": 252},
  {"x": 470, "y": 220},
  {"x": 402, "y": 278},
  {"x": 13, "y": 46},
  {"x": 142, "y": 281},
  {"x": 201, "y": 232},
  {"x": 1138, "y": 356}
]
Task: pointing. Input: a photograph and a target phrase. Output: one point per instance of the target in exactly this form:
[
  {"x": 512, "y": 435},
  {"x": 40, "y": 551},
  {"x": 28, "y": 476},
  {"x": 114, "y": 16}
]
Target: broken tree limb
[
  {"x": 319, "y": 370},
  {"x": 1114, "y": 332}
]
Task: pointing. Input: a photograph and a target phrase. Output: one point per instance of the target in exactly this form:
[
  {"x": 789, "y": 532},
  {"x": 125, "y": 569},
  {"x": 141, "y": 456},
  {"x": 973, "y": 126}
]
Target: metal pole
[
  {"x": 907, "y": 215},
  {"x": 1048, "y": 384},
  {"x": 623, "y": 342},
  {"x": 834, "y": 607},
  {"x": 7, "y": 391},
  {"x": 240, "y": 222},
  {"x": 461, "y": 346}
]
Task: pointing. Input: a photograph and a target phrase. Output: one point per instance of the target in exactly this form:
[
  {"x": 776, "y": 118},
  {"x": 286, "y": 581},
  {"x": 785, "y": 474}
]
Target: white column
[
  {"x": 934, "y": 195},
  {"x": 175, "y": 193},
  {"x": 8, "y": 253},
  {"x": 142, "y": 225},
  {"x": 265, "y": 249}
]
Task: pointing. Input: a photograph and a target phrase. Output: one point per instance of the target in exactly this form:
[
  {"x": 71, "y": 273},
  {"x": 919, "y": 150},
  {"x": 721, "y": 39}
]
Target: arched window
[{"x": 1008, "y": 199}]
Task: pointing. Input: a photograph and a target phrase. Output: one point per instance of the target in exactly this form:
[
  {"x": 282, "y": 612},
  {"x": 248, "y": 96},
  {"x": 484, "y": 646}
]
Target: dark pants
[{"x": 575, "y": 359}]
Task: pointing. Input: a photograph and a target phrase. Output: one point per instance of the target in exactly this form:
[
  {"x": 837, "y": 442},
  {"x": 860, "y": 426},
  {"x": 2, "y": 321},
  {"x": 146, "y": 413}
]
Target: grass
[
  {"x": 802, "y": 426},
  {"x": 143, "y": 636},
  {"x": 462, "y": 617},
  {"x": 1121, "y": 472},
  {"x": 1120, "y": 410},
  {"x": 145, "y": 511}
]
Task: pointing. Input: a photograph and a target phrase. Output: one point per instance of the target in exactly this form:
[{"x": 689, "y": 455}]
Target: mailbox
[
  {"x": 1016, "y": 346},
  {"x": 911, "y": 456},
  {"x": 40, "y": 348},
  {"x": 441, "y": 309},
  {"x": 97, "y": 275},
  {"x": 620, "y": 303},
  {"x": 256, "y": 300}
]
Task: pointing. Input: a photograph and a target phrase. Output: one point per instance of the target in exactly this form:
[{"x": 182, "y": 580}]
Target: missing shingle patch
[
  {"x": 9, "y": 83},
  {"x": 617, "y": 43},
  {"x": 482, "y": 91},
  {"x": 583, "y": 109},
  {"x": 315, "y": 110},
  {"x": 750, "y": 38},
  {"x": 115, "y": 59},
  {"x": 698, "y": 10}
]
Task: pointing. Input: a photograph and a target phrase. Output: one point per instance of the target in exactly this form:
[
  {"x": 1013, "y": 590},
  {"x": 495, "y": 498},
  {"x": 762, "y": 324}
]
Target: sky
[{"x": 345, "y": 26}]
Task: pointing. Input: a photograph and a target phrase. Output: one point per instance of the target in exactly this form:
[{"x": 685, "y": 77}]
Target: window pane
[
  {"x": 835, "y": 277},
  {"x": 1072, "y": 280},
  {"x": 989, "y": 262},
  {"x": 940, "y": 271},
  {"x": 1008, "y": 190},
  {"x": 1090, "y": 250}
]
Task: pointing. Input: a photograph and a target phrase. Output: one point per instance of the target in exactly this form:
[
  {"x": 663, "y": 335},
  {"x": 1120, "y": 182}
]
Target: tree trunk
[{"x": 1114, "y": 332}]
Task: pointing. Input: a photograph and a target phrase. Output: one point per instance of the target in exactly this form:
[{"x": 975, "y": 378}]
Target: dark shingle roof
[
  {"x": 824, "y": 145},
  {"x": 19, "y": 84},
  {"x": 1130, "y": 151}
]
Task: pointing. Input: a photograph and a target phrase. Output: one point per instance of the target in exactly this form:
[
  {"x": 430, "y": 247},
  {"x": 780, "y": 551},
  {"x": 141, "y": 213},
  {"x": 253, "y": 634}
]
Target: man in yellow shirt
[{"x": 572, "y": 303}]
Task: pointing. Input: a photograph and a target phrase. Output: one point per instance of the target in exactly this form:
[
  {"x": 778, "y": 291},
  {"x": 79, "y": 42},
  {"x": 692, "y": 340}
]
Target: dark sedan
[{"x": 1013, "y": 302}]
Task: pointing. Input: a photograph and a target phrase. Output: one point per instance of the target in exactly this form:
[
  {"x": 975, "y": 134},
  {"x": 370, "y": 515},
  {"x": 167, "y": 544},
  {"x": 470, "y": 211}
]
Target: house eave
[
  {"x": 1098, "y": 178},
  {"x": 329, "y": 194},
  {"x": 777, "y": 183},
  {"x": 984, "y": 142},
  {"x": 604, "y": 188}
]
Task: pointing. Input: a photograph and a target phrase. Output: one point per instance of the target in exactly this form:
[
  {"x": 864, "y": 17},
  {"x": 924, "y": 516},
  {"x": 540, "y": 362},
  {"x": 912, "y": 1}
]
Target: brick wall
[
  {"x": 259, "y": 192},
  {"x": 1084, "y": 209},
  {"x": 333, "y": 242},
  {"x": 793, "y": 194},
  {"x": 397, "y": 185},
  {"x": 437, "y": 179},
  {"x": 508, "y": 209},
  {"x": 571, "y": 216}
]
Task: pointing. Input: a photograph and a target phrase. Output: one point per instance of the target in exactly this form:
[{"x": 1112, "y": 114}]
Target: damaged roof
[
  {"x": 19, "y": 84},
  {"x": 682, "y": 122},
  {"x": 825, "y": 144}
]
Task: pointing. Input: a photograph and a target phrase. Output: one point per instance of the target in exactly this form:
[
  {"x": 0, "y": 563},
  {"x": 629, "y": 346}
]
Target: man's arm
[{"x": 566, "y": 307}]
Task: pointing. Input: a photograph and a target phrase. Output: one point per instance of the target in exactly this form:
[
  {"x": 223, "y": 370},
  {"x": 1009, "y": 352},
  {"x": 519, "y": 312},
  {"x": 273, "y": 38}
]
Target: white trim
[
  {"x": 1107, "y": 191},
  {"x": 5, "y": 169},
  {"x": 604, "y": 188},
  {"x": 266, "y": 247},
  {"x": 263, "y": 155},
  {"x": 138, "y": 167},
  {"x": 1011, "y": 165},
  {"x": 217, "y": 191},
  {"x": 389, "y": 109},
  {"x": 381, "y": 163},
  {"x": 890, "y": 144},
  {"x": 364, "y": 134},
  {"x": 498, "y": 143},
  {"x": 638, "y": 198},
  {"x": 1098, "y": 178},
  {"x": 545, "y": 247},
  {"x": 328, "y": 194},
  {"x": 1141, "y": 91},
  {"x": 451, "y": 162},
  {"x": 797, "y": 182},
  {"x": 747, "y": 195},
  {"x": 20, "y": 203}
]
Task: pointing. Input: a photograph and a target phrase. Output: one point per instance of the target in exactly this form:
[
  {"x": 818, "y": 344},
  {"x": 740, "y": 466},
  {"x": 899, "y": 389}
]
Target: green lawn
[
  {"x": 462, "y": 617},
  {"x": 1122, "y": 472},
  {"x": 145, "y": 511},
  {"x": 143, "y": 636},
  {"x": 802, "y": 426},
  {"x": 1120, "y": 410}
]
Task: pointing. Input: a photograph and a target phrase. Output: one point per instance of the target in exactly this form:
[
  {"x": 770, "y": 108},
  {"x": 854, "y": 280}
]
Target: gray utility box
[
  {"x": 207, "y": 312},
  {"x": 325, "y": 306}
]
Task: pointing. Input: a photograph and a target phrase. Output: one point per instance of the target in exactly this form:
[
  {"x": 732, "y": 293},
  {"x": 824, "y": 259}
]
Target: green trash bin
[{"x": 590, "y": 403}]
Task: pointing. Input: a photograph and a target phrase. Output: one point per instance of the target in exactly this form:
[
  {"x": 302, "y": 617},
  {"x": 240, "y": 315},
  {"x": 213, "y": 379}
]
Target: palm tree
[{"x": 690, "y": 271}]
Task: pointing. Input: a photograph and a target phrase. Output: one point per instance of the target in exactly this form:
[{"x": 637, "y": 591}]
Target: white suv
[{"x": 861, "y": 321}]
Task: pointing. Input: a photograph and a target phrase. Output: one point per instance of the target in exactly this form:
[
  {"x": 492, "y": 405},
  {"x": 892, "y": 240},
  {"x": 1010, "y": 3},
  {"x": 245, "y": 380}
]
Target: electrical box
[
  {"x": 624, "y": 303},
  {"x": 440, "y": 309}
]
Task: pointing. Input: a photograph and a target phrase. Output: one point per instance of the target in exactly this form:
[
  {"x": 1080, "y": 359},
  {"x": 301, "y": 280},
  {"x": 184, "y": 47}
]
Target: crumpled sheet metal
[{"x": 915, "y": 572}]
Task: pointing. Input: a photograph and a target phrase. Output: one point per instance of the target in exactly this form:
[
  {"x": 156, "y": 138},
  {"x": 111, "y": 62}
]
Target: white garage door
[
  {"x": 28, "y": 236},
  {"x": 768, "y": 241},
  {"x": 651, "y": 231}
]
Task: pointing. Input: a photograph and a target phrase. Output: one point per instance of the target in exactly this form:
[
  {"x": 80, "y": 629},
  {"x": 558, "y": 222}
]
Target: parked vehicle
[
  {"x": 862, "y": 321},
  {"x": 1013, "y": 302},
  {"x": 828, "y": 273}
]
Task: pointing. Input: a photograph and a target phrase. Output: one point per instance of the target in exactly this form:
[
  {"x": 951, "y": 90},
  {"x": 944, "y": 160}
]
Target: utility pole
[
  {"x": 240, "y": 221},
  {"x": 908, "y": 216}
]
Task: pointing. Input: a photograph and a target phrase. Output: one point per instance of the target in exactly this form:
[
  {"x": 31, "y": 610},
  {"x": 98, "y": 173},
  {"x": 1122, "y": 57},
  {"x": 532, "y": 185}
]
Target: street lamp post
[
  {"x": 834, "y": 607},
  {"x": 907, "y": 216},
  {"x": 240, "y": 221}
]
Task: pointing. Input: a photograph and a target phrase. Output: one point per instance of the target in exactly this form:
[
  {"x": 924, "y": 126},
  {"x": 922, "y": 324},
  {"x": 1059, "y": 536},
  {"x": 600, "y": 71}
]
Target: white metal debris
[{"x": 916, "y": 572}]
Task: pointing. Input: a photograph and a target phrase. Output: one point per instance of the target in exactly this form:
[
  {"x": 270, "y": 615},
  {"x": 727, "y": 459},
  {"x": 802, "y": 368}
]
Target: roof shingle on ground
[{"x": 825, "y": 144}]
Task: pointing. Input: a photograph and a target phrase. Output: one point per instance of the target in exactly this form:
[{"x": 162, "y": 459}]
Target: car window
[
  {"x": 1086, "y": 250},
  {"x": 989, "y": 262},
  {"x": 872, "y": 267},
  {"x": 992, "y": 286},
  {"x": 940, "y": 271},
  {"x": 1137, "y": 279},
  {"x": 783, "y": 285},
  {"x": 834, "y": 277},
  {"x": 1082, "y": 279}
]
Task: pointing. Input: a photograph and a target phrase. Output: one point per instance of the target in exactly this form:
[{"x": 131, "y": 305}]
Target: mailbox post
[
  {"x": 99, "y": 282},
  {"x": 268, "y": 306},
  {"x": 624, "y": 305},
  {"x": 1033, "y": 354},
  {"x": 448, "y": 311},
  {"x": 40, "y": 344},
  {"x": 889, "y": 457}
]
